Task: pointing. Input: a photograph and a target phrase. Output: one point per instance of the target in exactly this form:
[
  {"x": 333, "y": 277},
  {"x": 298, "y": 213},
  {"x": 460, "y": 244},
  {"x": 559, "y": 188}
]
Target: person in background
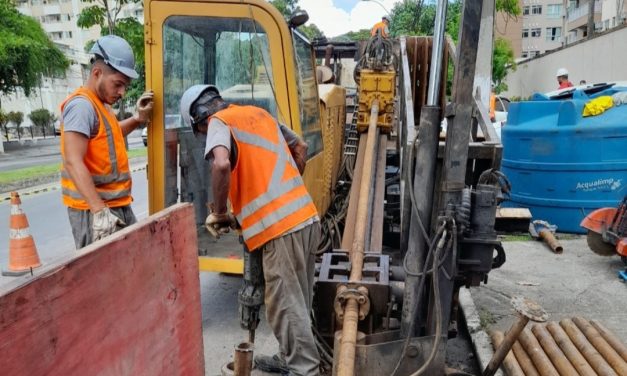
[
  {"x": 583, "y": 82},
  {"x": 562, "y": 79},
  {"x": 95, "y": 175},
  {"x": 257, "y": 164},
  {"x": 381, "y": 27}
]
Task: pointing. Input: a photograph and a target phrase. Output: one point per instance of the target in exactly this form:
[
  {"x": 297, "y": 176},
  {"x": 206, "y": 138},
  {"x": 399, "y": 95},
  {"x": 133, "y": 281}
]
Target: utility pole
[{"x": 591, "y": 18}]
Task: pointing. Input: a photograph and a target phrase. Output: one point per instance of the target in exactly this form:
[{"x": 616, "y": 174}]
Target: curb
[
  {"x": 480, "y": 339},
  {"x": 138, "y": 164}
]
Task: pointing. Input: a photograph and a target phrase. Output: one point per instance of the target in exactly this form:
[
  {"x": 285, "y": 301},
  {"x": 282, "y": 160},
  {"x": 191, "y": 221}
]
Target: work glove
[
  {"x": 219, "y": 224},
  {"x": 105, "y": 223},
  {"x": 144, "y": 107}
]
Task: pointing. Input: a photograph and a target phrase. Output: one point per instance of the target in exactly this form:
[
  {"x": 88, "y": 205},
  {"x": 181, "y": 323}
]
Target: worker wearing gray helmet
[
  {"x": 257, "y": 164},
  {"x": 95, "y": 175}
]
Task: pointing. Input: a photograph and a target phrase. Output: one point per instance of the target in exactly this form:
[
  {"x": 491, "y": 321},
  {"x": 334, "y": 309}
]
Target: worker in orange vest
[
  {"x": 257, "y": 164},
  {"x": 95, "y": 175},
  {"x": 381, "y": 27}
]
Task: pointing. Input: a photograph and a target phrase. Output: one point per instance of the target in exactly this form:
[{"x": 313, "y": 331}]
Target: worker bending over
[
  {"x": 257, "y": 164},
  {"x": 95, "y": 176},
  {"x": 381, "y": 27}
]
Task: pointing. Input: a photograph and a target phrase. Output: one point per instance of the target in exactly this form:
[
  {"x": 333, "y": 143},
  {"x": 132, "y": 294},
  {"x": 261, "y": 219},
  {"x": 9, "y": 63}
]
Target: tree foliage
[
  {"x": 502, "y": 62},
  {"x": 42, "y": 118},
  {"x": 17, "y": 118},
  {"x": 26, "y": 52},
  {"x": 286, "y": 7},
  {"x": 311, "y": 31},
  {"x": 4, "y": 122},
  {"x": 105, "y": 14}
]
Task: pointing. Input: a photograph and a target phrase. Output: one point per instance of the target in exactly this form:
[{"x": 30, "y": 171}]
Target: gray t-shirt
[
  {"x": 79, "y": 115},
  {"x": 218, "y": 134}
]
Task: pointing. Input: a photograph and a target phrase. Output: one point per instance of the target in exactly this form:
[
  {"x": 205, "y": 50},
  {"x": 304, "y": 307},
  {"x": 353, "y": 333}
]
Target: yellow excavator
[{"x": 408, "y": 213}]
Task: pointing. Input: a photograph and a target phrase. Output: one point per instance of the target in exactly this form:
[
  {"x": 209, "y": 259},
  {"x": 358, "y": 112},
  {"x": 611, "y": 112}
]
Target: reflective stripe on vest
[
  {"x": 105, "y": 195},
  {"x": 113, "y": 177},
  {"x": 275, "y": 188}
]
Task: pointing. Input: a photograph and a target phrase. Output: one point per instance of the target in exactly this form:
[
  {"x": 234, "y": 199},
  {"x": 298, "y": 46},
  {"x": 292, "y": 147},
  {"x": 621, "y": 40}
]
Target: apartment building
[{"x": 608, "y": 14}]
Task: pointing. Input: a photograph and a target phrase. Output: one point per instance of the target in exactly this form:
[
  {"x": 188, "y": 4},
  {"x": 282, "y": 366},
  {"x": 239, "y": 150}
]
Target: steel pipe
[
  {"x": 540, "y": 360},
  {"x": 574, "y": 356},
  {"x": 436, "y": 54},
  {"x": 510, "y": 364},
  {"x": 587, "y": 350},
  {"x": 346, "y": 362},
  {"x": 524, "y": 360},
  {"x": 609, "y": 354},
  {"x": 243, "y": 360},
  {"x": 611, "y": 339},
  {"x": 559, "y": 360},
  {"x": 503, "y": 349}
]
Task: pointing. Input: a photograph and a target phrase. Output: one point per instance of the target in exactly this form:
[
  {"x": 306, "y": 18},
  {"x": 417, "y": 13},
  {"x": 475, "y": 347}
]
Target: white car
[{"x": 145, "y": 136}]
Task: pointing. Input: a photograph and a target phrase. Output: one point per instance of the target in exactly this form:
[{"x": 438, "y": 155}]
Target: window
[
  {"x": 524, "y": 55},
  {"x": 56, "y": 35},
  {"x": 534, "y": 53},
  {"x": 308, "y": 95},
  {"x": 67, "y": 34},
  {"x": 553, "y": 34},
  {"x": 554, "y": 11},
  {"x": 525, "y": 33},
  {"x": 525, "y": 10},
  {"x": 536, "y": 9},
  {"x": 536, "y": 32},
  {"x": 51, "y": 18}
]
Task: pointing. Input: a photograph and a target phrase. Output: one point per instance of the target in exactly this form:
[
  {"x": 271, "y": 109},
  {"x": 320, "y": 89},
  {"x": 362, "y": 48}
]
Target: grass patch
[
  {"x": 141, "y": 152},
  {"x": 29, "y": 173},
  {"x": 515, "y": 238},
  {"x": 486, "y": 319}
]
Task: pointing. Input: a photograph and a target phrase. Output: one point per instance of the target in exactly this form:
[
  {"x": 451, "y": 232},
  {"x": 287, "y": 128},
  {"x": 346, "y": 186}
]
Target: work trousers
[
  {"x": 288, "y": 265},
  {"x": 81, "y": 220}
]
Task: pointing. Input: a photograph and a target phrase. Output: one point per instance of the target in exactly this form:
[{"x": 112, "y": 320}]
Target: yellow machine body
[{"x": 379, "y": 85}]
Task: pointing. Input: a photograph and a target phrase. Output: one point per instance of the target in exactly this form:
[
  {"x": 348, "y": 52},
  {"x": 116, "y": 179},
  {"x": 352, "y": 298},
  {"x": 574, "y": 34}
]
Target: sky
[{"x": 336, "y": 17}]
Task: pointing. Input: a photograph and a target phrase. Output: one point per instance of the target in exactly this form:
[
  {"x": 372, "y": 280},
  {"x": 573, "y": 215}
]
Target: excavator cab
[{"x": 248, "y": 51}]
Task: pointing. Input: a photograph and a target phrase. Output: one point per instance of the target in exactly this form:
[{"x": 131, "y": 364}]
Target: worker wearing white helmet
[
  {"x": 95, "y": 175},
  {"x": 257, "y": 163},
  {"x": 562, "y": 79}
]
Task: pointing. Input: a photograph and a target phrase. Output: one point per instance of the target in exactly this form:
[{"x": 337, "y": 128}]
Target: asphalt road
[
  {"x": 48, "y": 219},
  {"x": 44, "y": 152}
]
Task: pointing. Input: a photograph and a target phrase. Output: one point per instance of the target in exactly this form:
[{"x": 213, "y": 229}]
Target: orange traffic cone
[{"x": 22, "y": 251}]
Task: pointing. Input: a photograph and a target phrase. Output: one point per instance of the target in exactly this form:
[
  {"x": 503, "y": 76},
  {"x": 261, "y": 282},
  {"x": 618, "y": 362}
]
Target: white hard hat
[
  {"x": 117, "y": 53},
  {"x": 190, "y": 96},
  {"x": 562, "y": 72}
]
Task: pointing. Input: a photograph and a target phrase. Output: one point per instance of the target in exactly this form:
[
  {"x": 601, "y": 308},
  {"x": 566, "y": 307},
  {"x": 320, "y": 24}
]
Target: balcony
[{"x": 578, "y": 17}]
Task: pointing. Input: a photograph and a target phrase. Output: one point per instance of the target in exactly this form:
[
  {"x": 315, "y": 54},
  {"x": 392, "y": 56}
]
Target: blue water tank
[{"x": 562, "y": 165}]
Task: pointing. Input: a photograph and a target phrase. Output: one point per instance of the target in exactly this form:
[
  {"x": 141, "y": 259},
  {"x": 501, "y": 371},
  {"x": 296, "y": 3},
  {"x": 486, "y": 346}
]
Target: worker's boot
[{"x": 272, "y": 364}]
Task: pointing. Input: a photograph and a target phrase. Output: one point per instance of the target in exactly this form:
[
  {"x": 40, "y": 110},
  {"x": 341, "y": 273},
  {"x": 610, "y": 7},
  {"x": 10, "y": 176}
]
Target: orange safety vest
[
  {"x": 379, "y": 26},
  {"x": 105, "y": 159},
  {"x": 267, "y": 193}
]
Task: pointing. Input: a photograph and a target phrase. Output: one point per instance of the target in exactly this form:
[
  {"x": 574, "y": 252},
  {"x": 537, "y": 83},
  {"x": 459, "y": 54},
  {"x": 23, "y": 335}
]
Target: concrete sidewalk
[{"x": 575, "y": 283}]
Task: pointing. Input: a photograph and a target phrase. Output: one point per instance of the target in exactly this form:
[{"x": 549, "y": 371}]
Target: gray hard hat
[
  {"x": 117, "y": 53},
  {"x": 190, "y": 97}
]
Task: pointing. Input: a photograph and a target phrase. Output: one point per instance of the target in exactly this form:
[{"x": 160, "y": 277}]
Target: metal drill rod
[
  {"x": 506, "y": 345},
  {"x": 436, "y": 55},
  {"x": 346, "y": 362}
]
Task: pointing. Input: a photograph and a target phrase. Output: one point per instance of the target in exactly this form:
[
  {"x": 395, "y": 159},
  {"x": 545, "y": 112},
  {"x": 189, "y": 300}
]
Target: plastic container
[{"x": 561, "y": 165}]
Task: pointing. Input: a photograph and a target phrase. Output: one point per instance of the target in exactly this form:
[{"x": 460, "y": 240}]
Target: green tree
[
  {"x": 311, "y": 31},
  {"x": 26, "y": 52},
  {"x": 4, "y": 122},
  {"x": 42, "y": 118},
  {"x": 17, "y": 118},
  {"x": 363, "y": 34},
  {"x": 502, "y": 62},
  {"x": 286, "y": 7},
  {"x": 105, "y": 13}
]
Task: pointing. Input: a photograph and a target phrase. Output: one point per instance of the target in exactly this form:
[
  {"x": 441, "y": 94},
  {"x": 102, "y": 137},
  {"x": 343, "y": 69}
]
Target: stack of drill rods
[
  {"x": 572, "y": 347},
  {"x": 348, "y": 342}
]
